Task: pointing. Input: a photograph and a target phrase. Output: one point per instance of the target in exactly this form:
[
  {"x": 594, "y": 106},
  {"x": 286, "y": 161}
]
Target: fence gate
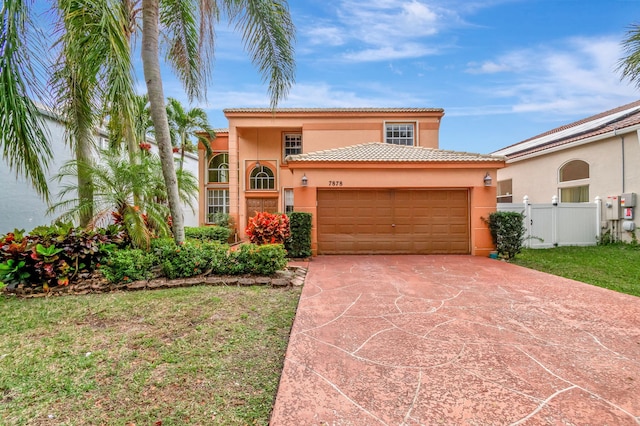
[{"x": 558, "y": 224}]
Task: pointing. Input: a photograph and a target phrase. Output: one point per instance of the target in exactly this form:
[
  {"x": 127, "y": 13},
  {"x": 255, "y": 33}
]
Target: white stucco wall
[
  {"x": 22, "y": 208},
  {"x": 537, "y": 177}
]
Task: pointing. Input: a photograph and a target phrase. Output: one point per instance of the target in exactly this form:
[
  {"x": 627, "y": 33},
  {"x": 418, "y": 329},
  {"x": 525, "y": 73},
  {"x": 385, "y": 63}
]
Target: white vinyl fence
[{"x": 558, "y": 224}]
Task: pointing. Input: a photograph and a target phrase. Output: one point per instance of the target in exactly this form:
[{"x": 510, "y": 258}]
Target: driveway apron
[{"x": 457, "y": 340}]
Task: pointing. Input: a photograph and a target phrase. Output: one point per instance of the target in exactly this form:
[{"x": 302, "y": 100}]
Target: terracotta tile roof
[
  {"x": 385, "y": 152},
  {"x": 330, "y": 110},
  {"x": 605, "y": 122}
]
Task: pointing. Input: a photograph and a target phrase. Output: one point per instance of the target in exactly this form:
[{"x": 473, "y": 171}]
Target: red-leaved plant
[{"x": 268, "y": 228}]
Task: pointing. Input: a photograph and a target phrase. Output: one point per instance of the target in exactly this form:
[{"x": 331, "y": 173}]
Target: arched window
[
  {"x": 262, "y": 178},
  {"x": 219, "y": 169},
  {"x": 570, "y": 190},
  {"x": 574, "y": 170}
]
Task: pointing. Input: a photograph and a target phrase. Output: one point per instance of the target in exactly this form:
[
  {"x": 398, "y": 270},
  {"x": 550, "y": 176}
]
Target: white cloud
[
  {"x": 574, "y": 76},
  {"x": 380, "y": 30},
  {"x": 326, "y": 35},
  {"x": 382, "y": 53}
]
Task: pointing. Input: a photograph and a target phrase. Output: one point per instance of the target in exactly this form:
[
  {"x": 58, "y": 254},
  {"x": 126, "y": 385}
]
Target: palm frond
[
  {"x": 180, "y": 22},
  {"x": 629, "y": 66},
  {"x": 23, "y": 138},
  {"x": 268, "y": 34}
]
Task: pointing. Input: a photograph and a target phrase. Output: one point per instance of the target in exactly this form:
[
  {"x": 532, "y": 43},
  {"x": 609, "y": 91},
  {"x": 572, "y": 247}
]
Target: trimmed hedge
[
  {"x": 194, "y": 258},
  {"x": 507, "y": 230},
  {"x": 208, "y": 233},
  {"x": 298, "y": 245}
]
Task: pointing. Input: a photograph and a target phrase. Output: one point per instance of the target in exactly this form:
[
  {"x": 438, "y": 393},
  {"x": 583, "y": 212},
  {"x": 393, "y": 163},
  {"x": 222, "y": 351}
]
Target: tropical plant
[
  {"x": 268, "y": 228},
  {"x": 23, "y": 138},
  {"x": 53, "y": 255},
  {"x": 116, "y": 182},
  {"x": 267, "y": 32},
  {"x": 629, "y": 66},
  {"x": 93, "y": 78},
  {"x": 187, "y": 124},
  {"x": 93, "y": 75}
]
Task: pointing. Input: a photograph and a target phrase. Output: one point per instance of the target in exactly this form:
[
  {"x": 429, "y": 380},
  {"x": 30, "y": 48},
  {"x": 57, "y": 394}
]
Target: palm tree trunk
[
  {"x": 151, "y": 66},
  {"x": 84, "y": 157}
]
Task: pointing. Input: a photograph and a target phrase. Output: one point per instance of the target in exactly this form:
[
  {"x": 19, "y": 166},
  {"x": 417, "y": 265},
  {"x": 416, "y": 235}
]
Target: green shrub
[
  {"x": 208, "y": 233},
  {"x": 191, "y": 258},
  {"x": 221, "y": 219},
  {"x": 263, "y": 259},
  {"x": 268, "y": 228},
  {"x": 299, "y": 243},
  {"x": 507, "y": 230},
  {"x": 128, "y": 265}
]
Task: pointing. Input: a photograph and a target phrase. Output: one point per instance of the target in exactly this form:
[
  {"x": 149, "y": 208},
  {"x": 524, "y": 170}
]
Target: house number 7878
[{"x": 335, "y": 183}]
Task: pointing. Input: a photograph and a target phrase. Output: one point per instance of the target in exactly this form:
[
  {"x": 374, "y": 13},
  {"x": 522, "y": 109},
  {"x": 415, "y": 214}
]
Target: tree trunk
[
  {"x": 151, "y": 66},
  {"x": 84, "y": 157}
]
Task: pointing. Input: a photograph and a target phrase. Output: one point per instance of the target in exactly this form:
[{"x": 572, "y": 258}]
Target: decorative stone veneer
[{"x": 292, "y": 276}]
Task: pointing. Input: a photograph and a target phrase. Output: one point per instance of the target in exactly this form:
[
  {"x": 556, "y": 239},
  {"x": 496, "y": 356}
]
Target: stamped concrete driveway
[{"x": 457, "y": 340}]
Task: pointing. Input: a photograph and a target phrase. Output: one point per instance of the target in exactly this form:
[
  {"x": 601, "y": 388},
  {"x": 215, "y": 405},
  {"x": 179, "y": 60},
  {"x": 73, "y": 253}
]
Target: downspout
[{"x": 615, "y": 133}]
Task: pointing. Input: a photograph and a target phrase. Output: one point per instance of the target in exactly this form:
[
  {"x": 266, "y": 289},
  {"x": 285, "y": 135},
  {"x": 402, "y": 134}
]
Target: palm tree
[
  {"x": 185, "y": 124},
  {"x": 267, "y": 32},
  {"x": 93, "y": 77},
  {"x": 131, "y": 192},
  {"x": 23, "y": 138},
  {"x": 629, "y": 66}
]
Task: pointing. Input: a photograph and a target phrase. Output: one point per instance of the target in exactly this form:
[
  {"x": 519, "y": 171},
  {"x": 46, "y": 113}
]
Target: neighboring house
[
  {"x": 594, "y": 158},
  {"x": 22, "y": 208},
  {"x": 373, "y": 179}
]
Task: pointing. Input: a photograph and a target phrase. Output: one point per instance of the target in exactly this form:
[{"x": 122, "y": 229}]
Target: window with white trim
[
  {"x": 217, "y": 202},
  {"x": 505, "y": 191},
  {"x": 400, "y": 133},
  {"x": 288, "y": 200},
  {"x": 262, "y": 178},
  {"x": 573, "y": 181},
  {"x": 292, "y": 144},
  {"x": 218, "y": 171}
]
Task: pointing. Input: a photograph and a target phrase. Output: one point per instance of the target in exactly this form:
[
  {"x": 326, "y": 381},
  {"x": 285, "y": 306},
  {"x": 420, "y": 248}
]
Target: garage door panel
[{"x": 426, "y": 221}]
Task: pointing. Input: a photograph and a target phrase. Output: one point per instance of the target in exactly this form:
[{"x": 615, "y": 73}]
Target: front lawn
[
  {"x": 616, "y": 267},
  {"x": 186, "y": 356}
]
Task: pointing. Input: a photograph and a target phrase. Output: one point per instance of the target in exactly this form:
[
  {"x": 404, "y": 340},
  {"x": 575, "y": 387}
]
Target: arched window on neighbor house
[
  {"x": 262, "y": 178},
  {"x": 573, "y": 182}
]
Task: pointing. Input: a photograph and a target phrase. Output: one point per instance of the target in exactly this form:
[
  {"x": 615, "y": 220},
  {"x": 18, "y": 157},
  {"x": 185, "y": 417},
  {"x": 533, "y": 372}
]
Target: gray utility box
[{"x": 628, "y": 199}]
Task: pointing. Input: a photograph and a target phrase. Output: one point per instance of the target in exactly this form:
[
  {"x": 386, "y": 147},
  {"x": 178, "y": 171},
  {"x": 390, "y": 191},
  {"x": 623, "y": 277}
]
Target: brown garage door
[{"x": 387, "y": 221}]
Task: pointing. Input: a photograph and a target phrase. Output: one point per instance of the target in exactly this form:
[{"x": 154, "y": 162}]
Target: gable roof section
[
  {"x": 613, "y": 120},
  {"x": 385, "y": 152}
]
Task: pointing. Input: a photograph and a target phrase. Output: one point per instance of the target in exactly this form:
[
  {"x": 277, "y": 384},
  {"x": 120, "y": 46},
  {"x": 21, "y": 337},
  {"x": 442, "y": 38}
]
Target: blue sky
[{"x": 503, "y": 70}]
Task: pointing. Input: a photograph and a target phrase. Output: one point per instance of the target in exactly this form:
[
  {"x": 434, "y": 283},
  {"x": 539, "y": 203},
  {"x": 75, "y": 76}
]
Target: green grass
[
  {"x": 199, "y": 356},
  {"x": 616, "y": 267}
]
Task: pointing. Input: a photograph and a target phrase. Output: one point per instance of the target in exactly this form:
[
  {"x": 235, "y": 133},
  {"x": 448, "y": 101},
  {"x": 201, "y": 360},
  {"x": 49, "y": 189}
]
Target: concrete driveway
[{"x": 457, "y": 340}]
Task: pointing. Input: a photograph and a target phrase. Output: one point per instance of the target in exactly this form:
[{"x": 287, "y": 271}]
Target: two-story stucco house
[
  {"x": 373, "y": 179},
  {"x": 593, "y": 158}
]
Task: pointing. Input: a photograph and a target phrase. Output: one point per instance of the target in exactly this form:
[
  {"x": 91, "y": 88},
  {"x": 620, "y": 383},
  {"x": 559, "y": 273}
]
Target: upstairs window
[
  {"x": 219, "y": 169},
  {"x": 262, "y": 178},
  {"x": 292, "y": 144},
  {"x": 400, "y": 133}
]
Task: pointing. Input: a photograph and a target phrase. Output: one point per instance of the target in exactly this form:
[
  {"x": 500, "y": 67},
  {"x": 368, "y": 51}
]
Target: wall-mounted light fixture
[
  {"x": 257, "y": 166},
  {"x": 487, "y": 179},
  {"x": 305, "y": 180}
]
